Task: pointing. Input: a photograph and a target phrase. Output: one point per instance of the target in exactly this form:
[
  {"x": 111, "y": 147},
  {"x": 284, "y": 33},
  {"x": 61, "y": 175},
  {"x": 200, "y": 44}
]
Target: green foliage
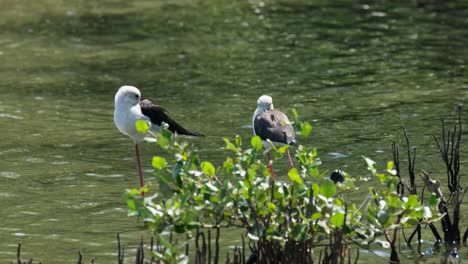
[
  {"x": 159, "y": 163},
  {"x": 142, "y": 126},
  {"x": 303, "y": 126},
  {"x": 193, "y": 194},
  {"x": 328, "y": 188},
  {"x": 256, "y": 143},
  {"x": 390, "y": 210},
  {"x": 294, "y": 176}
]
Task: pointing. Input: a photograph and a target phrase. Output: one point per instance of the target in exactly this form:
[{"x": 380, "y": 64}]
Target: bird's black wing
[
  {"x": 158, "y": 115},
  {"x": 275, "y": 126}
]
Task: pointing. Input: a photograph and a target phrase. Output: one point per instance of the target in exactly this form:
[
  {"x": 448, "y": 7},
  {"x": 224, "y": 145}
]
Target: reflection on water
[{"x": 359, "y": 71}]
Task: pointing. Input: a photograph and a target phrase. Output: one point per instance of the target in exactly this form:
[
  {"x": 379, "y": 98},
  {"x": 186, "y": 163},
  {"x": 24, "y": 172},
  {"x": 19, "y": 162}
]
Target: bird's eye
[{"x": 136, "y": 96}]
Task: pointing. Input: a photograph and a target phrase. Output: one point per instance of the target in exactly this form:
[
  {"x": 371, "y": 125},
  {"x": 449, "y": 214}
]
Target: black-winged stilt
[
  {"x": 130, "y": 107},
  {"x": 273, "y": 125}
]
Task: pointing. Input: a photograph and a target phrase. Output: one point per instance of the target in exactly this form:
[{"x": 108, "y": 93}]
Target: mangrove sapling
[
  {"x": 286, "y": 220},
  {"x": 391, "y": 211}
]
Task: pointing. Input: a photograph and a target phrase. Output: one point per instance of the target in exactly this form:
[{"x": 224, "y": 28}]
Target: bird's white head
[
  {"x": 265, "y": 102},
  {"x": 127, "y": 95}
]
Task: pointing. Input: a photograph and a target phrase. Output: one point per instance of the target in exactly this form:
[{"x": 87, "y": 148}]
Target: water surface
[{"x": 358, "y": 71}]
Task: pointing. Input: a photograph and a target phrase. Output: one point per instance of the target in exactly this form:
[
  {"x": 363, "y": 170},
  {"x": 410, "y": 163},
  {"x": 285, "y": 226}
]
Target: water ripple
[
  {"x": 10, "y": 116},
  {"x": 9, "y": 174}
]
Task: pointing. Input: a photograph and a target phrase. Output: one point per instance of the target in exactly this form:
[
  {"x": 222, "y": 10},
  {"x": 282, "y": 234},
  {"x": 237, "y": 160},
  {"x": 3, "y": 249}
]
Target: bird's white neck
[{"x": 123, "y": 105}]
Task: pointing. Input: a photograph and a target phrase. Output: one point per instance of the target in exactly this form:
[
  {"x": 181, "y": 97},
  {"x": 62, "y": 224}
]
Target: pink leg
[
  {"x": 139, "y": 168},
  {"x": 290, "y": 160},
  {"x": 270, "y": 166}
]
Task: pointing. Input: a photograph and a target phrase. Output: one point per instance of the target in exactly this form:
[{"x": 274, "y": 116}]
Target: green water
[{"x": 359, "y": 71}]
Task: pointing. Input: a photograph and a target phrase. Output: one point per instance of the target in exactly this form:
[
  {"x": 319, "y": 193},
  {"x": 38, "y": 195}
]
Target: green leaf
[
  {"x": 390, "y": 165},
  {"x": 163, "y": 141},
  {"x": 192, "y": 225},
  {"x": 211, "y": 187},
  {"x": 427, "y": 212},
  {"x": 166, "y": 244},
  {"x": 283, "y": 149},
  {"x": 295, "y": 115},
  {"x": 390, "y": 168},
  {"x": 316, "y": 215},
  {"x": 314, "y": 172},
  {"x": 298, "y": 231},
  {"x": 238, "y": 141},
  {"x": 337, "y": 219},
  {"x": 382, "y": 177},
  {"x": 412, "y": 201},
  {"x": 433, "y": 201},
  {"x": 305, "y": 129},
  {"x": 230, "y": 146},
  {"x": 412, "y": 221},
  {"x": 315, "y": 189},
  {"x": 142, "y": 126},
  {"x": 208, "y": 168},
  {"x": 370, "y": 164},
  {"x": 383, "y": 217},
  {"x": 271, "y": 206},
  {"x": 176, "y": 170},
  {"x": 159, "y": 163},
  {"x": 228, "y": 165},
  {"x": 185, "y": 198},
  {"x": 294, "y": 176},
  {"x": 327, "y": 188},
  {"x": 256, "y": 143}
]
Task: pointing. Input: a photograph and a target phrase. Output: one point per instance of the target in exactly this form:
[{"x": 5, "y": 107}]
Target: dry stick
[
  {"x": 197, "y": 247},
  {"x": 18, "y": 253},
  {"x": 342, "y": 255},
  {"x": 457, "y": 164},
  {"x": 187, "y": 246},
  {"x": 394, "y": 254},
  {"x": 443, "y": 149},
  {"x": 435, "y": 232},
  {"x": 357, "y": 256},
  {"x": 243, "y": 249},
  {"x": 151, "y": 249},
  {"x": 119, "y": 252},
  {"x": 396, "y": 163},
  {"x": 216, "y": 246},
  {"x": 209, "y": 246},
  {"x": 434, "y": 186},
  {"x": 140, "y": 255},
  {"x": 236, "y": 254},
  {"x": 452, "y": 163},
  {"x": 452, "y": 154},
  {"x": 465, "y": 236},
  {"x": 411, "y": 164},
  {"x": 80, "y": 257},
  {"x": 203, "y": 247},
  {"x": 320, "y": 256}
]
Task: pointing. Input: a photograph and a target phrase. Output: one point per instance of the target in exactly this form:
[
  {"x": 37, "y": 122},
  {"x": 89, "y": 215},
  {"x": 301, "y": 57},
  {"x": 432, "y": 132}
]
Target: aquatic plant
[{"x": 296, "y": 220}]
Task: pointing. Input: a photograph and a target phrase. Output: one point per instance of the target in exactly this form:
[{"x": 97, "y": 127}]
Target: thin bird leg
[
  {"x": 139, "y": 168},
  {"x": 270, "y": 166},
  {"x": 290, "y": 160}
]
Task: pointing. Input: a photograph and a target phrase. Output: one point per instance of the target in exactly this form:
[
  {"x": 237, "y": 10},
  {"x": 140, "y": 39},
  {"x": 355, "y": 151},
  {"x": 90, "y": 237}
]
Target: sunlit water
[{"x": 358, "y": 71}]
